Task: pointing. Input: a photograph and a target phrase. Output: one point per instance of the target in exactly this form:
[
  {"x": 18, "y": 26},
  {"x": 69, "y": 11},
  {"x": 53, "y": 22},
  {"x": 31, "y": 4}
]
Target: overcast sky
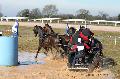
[{"x": 112, "y": 7}]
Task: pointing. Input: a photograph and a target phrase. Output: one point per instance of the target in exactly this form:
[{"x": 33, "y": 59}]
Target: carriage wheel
[
  {"x": 97, "y": 62},
  {"x": 91, "y": 68}
]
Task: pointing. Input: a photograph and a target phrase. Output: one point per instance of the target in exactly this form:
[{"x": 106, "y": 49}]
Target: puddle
[
  {"x": 30, "y": 62},
  {"x": 26, "y": 58},
  {"x": 53, "y": 70}
]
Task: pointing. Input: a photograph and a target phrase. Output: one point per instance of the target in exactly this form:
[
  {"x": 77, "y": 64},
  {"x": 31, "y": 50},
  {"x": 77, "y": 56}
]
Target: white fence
[{"x": 110, "y": 39}]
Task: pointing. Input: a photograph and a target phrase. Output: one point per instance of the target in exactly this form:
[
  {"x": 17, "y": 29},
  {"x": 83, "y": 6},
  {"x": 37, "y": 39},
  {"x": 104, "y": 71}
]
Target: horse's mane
[
  {"x": 50, "y": 28},
  {"x": 40, "y": 27}
]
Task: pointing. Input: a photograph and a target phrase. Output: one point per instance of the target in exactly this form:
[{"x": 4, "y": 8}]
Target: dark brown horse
[
  {"x": 48, "y": 29},
  {"x": 64, "y": 40},
  {"x": 45, "y": 41}
]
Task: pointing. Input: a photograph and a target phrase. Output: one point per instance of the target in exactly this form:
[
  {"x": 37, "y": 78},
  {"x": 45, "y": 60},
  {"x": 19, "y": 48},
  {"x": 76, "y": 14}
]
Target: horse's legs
[
  {"x": 46, "y": 50},
  {"x": 57, "y": 50},
  {"x": 38, "y": 51},
  {"x": 51, "y": 50}
]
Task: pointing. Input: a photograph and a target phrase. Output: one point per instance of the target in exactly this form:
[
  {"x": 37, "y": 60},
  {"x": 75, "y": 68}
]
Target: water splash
[{"x": 26, "y": 58}]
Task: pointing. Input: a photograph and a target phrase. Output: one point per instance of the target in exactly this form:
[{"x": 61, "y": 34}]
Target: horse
[
  {"x": 48, "y": 29},
  {"x": 45, "y": 41},
  {"x": 71, "y": 31},
  {"x": 64, "y": 40}
]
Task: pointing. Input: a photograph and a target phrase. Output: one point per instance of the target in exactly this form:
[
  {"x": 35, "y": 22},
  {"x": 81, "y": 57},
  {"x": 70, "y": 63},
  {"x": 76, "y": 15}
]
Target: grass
[{"x": 27, "y": 42}]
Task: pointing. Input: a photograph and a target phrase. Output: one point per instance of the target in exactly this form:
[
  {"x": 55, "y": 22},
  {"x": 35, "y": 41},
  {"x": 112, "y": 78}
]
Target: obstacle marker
[{"x": 8, "y": 51}]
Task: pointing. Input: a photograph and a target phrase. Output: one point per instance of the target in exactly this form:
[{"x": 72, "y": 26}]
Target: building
[
  {"x": 105, "y": 22},
  {"x": 47, "y": 20},
  {"x": 13, "y": 18},
  {"x": 81, "y": 21}
]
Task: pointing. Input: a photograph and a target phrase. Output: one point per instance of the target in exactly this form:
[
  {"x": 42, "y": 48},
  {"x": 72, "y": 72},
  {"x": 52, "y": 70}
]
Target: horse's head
[
  {"x": 38, "y": 30},
  {"x": 71, "y": 30},
  {"x": 47, "y": 25},
  {"x": 45, "y": 29},
  {"x": 48, "y": 29},
  {"x": 35, "y": 30}
]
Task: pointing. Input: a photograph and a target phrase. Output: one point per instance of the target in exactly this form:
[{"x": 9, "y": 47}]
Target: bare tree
[
  {"x": 32, "y": 14},
  {"x": 119, "y": 17},
  {"x": 103, "y": 15},
  {"x": 66, "y": 16},
  {"x": 0, "y": 12},
  {"x": 0, "y": 8},
  {"x": 24, "y": 13},
  {"x": 82, "y": 13},
  {"x": 35, "y": 13},
  {"x": 50, "y": 10}
]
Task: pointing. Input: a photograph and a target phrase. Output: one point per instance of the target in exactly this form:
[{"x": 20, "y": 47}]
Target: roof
[
  {"x": 117, "y": 21},
  {"x": 98, "y": 21},
  {"x": 50, "y": 18},
  {"x": 105, "y": 21},
  {"x": 47, "y": 19},
  {"x": 74, "y": 20},
  {"x": 13, "y": 17}
]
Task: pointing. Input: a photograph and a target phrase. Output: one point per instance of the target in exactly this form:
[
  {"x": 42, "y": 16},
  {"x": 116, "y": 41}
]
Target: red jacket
[
  {"x": 86, "y": 34},
  {"x": 85, "y": 38},
  {"x": 75, "y": 45}
]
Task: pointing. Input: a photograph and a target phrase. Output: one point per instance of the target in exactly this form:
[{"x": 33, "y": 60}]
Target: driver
[
  {"x": 80, "y": 52},
  {"x": 86, "y": 34},
  {"x": 75, "y": 42}
]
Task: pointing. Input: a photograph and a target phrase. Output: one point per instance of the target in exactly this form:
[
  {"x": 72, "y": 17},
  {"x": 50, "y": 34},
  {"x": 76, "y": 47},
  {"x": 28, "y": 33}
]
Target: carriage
[
  {"x": 93, "y": 59},
  {"x": 88, "y": 61}
]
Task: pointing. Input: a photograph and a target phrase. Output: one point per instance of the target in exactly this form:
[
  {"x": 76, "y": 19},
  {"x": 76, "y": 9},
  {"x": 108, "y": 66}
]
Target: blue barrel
[{"x": 8, "y": 51}]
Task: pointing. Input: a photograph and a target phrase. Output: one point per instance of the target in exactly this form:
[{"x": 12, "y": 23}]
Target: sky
[{"x": 111, "y": 7}]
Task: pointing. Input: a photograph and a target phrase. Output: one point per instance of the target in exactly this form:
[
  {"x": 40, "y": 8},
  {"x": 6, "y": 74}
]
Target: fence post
[{"x": 115, "y": 40}]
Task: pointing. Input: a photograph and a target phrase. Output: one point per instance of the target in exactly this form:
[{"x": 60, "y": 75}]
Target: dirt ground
[
  {"x": 51, "y": 69},
  {"x": 58, "y": 25}
]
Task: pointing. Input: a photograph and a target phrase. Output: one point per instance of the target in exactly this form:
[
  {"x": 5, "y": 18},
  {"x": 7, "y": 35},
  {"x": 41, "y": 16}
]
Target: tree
[
  {"x": 50, "y": 10},
  {"x": 1, "y": 14},
  {"x": 103, "y": 15},
  {"x": 119, "y": 17},
  {"x": 66, "y": 16},
  {"x": 24, "y": 13},
  {"x": 82, "y": 14},
  {"x": 35, "y": 13}
]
